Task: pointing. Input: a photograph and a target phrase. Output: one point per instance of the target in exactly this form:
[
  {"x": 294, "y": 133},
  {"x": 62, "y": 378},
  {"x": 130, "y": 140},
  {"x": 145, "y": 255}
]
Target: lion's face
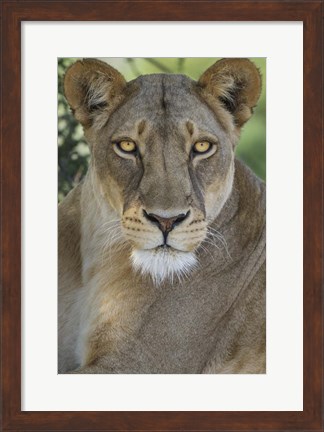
[{"x": 163, "y": 158}]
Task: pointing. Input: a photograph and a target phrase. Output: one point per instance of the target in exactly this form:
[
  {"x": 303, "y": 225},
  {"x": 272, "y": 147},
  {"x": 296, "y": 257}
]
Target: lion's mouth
[{"x": 166, "y": 247}]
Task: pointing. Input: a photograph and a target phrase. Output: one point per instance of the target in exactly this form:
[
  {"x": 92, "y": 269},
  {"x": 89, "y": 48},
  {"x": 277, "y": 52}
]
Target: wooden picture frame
[{"x": 13, "y": 14}]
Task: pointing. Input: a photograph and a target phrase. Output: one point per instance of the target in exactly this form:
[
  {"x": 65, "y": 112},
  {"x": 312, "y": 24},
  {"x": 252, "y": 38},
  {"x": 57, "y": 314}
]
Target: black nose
[{"x": 166, "y": 224}]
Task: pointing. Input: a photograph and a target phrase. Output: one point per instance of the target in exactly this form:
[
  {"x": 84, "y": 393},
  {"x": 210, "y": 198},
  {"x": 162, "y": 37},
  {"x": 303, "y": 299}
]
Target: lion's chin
[{"x": 163, "y": 263}]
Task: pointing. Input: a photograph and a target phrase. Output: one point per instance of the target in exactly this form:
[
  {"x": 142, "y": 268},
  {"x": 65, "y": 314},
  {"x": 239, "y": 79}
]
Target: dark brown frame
[{"x": 13, "y": 13}]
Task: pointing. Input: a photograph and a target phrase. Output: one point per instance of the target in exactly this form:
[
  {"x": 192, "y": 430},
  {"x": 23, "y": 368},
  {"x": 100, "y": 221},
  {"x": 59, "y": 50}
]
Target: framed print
[{"x": 285, "y": 40}]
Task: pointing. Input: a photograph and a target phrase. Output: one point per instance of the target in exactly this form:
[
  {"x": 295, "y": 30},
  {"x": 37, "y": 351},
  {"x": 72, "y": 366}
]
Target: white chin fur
[{"x": 163, "y": 264}]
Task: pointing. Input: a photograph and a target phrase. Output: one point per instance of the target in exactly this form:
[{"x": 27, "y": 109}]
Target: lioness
[{"x": 162, "y": 246}]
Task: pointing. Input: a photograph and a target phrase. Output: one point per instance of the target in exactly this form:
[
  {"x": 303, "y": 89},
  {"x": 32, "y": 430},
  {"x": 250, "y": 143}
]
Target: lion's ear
[
  {"x": 236, "y": 83},
  {"x": 91, "y": 86}
]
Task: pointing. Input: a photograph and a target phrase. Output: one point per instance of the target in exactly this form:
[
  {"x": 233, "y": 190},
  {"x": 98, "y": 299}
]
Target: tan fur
[
  {"x": 95, "y": 84},
  {"x": 236, "y": 81},
  {"x": 113, "y": 318}
]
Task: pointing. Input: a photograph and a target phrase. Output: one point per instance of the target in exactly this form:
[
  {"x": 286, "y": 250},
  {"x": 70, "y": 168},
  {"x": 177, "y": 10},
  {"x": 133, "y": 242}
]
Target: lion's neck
[
  {"x": 101, "y": 240},
  {"x": 242, "y": 220}
]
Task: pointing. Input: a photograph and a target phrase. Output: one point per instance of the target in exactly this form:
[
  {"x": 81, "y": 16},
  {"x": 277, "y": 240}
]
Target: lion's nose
[{"x": 166, "y": 224}]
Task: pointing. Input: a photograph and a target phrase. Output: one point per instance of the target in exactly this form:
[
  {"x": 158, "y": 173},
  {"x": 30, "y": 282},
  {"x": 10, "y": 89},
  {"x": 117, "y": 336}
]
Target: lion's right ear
[{"x": 91, "y": 87}]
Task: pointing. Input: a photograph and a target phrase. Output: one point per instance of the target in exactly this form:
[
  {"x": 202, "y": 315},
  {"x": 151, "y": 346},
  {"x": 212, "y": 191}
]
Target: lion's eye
[
  {"x": 127, "y": 146},
  {"x": 202, "y": 147}
]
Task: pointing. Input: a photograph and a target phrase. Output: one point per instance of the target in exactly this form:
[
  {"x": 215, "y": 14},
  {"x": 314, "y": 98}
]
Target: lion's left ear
[{"x": 236, "y": 83}]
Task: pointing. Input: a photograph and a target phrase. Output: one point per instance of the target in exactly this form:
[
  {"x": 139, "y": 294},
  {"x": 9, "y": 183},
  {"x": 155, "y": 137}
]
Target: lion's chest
[{"x": 145, "y": 329}]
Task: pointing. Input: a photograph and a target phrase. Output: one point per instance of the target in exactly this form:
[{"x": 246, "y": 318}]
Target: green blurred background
[{"x": 73, "y": 152}]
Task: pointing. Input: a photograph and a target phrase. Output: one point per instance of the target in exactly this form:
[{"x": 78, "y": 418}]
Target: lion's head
[{"x": 162, "y": 151}]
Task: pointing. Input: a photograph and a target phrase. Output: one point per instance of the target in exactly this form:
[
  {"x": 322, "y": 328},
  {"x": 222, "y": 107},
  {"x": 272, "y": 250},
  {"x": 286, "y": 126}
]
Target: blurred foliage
[{"x": 73, "y": 152}]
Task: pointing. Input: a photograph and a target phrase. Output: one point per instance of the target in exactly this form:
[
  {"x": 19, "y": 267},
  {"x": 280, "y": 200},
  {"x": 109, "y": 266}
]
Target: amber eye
[
  {"x": 202, "y": 147},
  {"x": 127, "y": 146}
]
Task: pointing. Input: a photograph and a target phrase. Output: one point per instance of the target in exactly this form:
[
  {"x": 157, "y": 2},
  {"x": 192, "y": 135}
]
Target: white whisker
[
  {"x": 213, "y": 236},
  {"x": 163, "y": 264}
]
